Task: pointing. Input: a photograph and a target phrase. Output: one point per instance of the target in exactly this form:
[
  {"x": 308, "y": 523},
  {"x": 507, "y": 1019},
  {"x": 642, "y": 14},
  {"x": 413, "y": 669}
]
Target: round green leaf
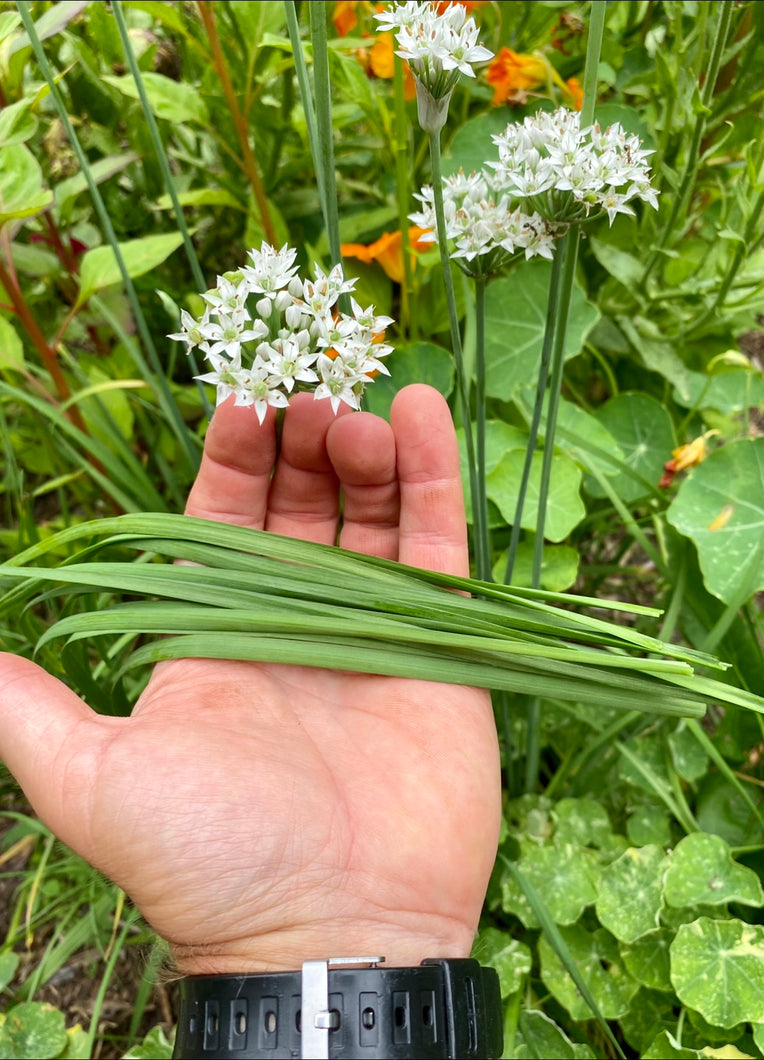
[
  {"x": 472, "y": 146},
  {"x": 511, "y": 958},
  {"x": 582, "y": 821},
  {"x": 666, "y": 1047},
  {"x": 559, "y": 873},
  {"x": 647, "y": 959},
  {"x": 701, "y": 871},
  {"x": 419, "y": 362},
  {"x": 540, "y": 1036},
  {"x": 515, "y": 320},
  {"x": 559, "y": 567},
  {"x": 629, "y": 896},
  {"x": 33, "y": 1030},
  {"x": 21, "y": 188},
  {"x": 717, "y": 968},
  {"x": 727, "y": 392},
  {"x": 720, "y": 506},
  {"x": 599, "y": 962},
  {"x": 643, "y": 429},
  {"x": 564, "y": 509},
  {"x": 689, "y": 758}
]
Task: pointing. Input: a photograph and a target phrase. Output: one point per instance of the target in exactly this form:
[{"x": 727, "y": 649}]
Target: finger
[
  {"x": 52, "y": 743},
  {"x": 433, "y": 527},
  {"x": 362, "y": 450},
  {"x": 304, "y": 496},
  {"x": 237, "y": 463}
]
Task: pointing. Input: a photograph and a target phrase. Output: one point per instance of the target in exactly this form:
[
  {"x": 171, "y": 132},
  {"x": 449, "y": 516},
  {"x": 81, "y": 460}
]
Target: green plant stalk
[
  {"x": 628, "y": 520},
  {"x": 684, "y": 191},
  {"x": 108, "y": 972},
  {"x": 325, "y": 160},
  {"x": 408, "y": 323},
  {"x": 161, "y": 157},
  {"x": 249, "y": 165},
  {"x": 721, "y": 764},
  {"x": 306, "y": 98},
  {"x": 483, "y": 572},
  {"x": 158, "y": 380},
  {"x": 482, "y": 551}
]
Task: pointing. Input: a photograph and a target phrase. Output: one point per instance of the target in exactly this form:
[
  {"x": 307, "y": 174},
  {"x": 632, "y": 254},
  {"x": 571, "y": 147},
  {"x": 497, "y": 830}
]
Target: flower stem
[
  {"x": 400, "y": 148},
  {"x": 306, "y": 98},
  {"x": 482, "y": 553},
  {"x": 480, "y": 417},
  {"x": 325, "y": 160}
]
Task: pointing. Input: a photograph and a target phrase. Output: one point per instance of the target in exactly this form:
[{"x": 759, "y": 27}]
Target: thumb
[{"x": 52, "y": 743}]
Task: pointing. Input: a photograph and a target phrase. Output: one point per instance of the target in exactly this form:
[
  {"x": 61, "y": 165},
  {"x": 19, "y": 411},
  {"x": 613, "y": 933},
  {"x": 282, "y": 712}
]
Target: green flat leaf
[
  {"x": 99, "y": 267},
  {"x": 559, "y": 566},
  {"x": 666, "y": 1047},
  {"x": 515, "y": 321},
  {"x": 728, "y": 392},
  {"x": 688, "y": 756},
  {"x": 471, "y": 146},
  {"x": 717, "y": 968},
  {"x": 21, "y": 184},
  {"x": 720, "y": 507},
  {"x": 622, "y": 266},
  {"x": 419, "y": 362},
  {"x": 643, "y": 429},
  {"x": 565, "y": 509},
  {"x": 511, "y": 958},
  {"x": 541, "y": 1038},
  {"x": 650, "y": 1012},
  {"x": 656, "y": 354},
  {"x": 582, "y": 821},
  {"x": 11, "y": 347},
  {"x": 601, "y": 967},
  {"x": 647, "y": 959},
  {"x": 203, "y": 197},
  {"x": 9, "y": 962},
  {"x": 647, "y": 824},
  {"x": 17, "y": 123},
  {"x": 175, "y": 101},
  {"x": 33, "y": 1030},
  {"x": 66, "y": 191},
  {"x": 701, "y": 871},
  {"x": 560, "y": 874},
  {"x": 629, "y": 896}
]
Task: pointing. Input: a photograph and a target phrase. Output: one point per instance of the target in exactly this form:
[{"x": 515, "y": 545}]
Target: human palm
[{"x": 260, "y": 815}]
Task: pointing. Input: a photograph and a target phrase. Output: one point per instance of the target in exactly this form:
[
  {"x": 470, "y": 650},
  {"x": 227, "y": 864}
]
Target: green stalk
[
  {"x": 161, "y": 157},
  {"x": 306, "y": 97},
  {"x": 325, "y": 161},
  {"x": 687, "y": 183},
  {"x": 484, "y": 556},
  {"x": 400, "y": 148},
  {"x": 482, "y": 551},
  {"x": 158, "y": 380}
]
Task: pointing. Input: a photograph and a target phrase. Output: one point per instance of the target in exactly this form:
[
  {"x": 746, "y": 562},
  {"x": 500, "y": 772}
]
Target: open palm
[{"x": 262, "y": 815}]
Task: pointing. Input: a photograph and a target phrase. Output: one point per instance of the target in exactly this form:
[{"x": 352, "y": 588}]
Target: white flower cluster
[
  {"x": 437, "y": 46},
  {"x": 299, "y": 339},
  {"x": 567, "y": 173},
  {"x": 481, "y": 222}
]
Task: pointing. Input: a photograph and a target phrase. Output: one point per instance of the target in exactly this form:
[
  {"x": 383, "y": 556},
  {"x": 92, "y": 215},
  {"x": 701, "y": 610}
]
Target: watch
[{"x": 346, "y": 1007}]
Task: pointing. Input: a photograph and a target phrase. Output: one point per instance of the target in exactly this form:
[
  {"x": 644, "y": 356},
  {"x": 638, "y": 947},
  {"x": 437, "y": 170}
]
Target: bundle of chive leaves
[{"x": 250, "y": 595}]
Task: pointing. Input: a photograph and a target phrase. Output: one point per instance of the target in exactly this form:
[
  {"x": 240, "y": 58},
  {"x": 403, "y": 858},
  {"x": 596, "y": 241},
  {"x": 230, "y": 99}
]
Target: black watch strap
[{"x": 335, "y": 1009}]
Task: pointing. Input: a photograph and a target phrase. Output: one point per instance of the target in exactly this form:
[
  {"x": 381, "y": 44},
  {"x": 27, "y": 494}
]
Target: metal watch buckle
[{"x": 317, "y": 1018}]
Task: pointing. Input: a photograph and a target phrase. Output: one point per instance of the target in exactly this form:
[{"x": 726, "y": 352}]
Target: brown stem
[
  {"x": 240, "y": 123},
  {"x": 65, "y": 254},
  {"x": 47, "y": 354}
]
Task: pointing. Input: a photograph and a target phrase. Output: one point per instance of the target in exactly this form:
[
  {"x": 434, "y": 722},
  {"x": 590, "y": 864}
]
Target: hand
[{"x": 263, "y": 815}]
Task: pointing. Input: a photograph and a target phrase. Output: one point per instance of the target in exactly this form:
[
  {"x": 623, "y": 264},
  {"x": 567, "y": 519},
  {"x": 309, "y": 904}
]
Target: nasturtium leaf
[
  {"x": 564, "y": 509},
  {"x": 717, "y": 968},
  {"x": 723, "y": 810},
  {"x": 651, "y": 1011},
  {"x": 688, "y": 756},
  {"x": 622, "y": 266},
  {"x": 599, "y": 962},
  {"x": 727, "y": 392},
  {"x": 540, "y": 1037},
  {"x": 581, "y": 821},
  {"x": 99, "y": 267},
  {"x": 578, "y": 433},
  {"x": 701, "y": 871},
  {"x": 666, "y": 1047},
  {"x": 32, "y": 1030},
  {"x": 9, "y": 962},
  {"x": 561, "y": 873},
  {"x": 643, "y": 429},
  {"x": 419, "y": 362},
  {"x": 758, "y": 1036},
  {"x": 21, "y": 185},
  {"x": 559, "y": 566},
  {"x": 709, "y": 1033},
  {"x": 649, "y": 823},
  {"x": 11, "y": 347},
  {"x": 175, "y": 101},
  {"x": 629, "y": 898},
  {"x": 471, "y": 145},
  {"x": 511, "y": 958},
  {"x": 515, "y": 321},
  {"x": 720, "y": 507},
  {"x": 529, "y": 816},
  {"x": 647, "y": 959}
]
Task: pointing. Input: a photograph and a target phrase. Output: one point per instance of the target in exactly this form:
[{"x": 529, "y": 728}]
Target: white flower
[
  {"x": 336, "y": 383},
  {"x": 227, "y": 336},
  {"x": 257, "y": 388},
  {"x": 229, "y": 298},
  {"x": 271, "y": 270},
  {"x": 191, "y": 330},
  {"x": 320, "y": 294}
]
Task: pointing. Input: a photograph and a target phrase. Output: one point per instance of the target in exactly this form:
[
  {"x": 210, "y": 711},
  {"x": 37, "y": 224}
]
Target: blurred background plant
[{"x": 144, "y": 148}]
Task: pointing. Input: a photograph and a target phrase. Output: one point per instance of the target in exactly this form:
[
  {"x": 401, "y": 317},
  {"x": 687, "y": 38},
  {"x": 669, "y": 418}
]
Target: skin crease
[{"x": 263, "y": 815}]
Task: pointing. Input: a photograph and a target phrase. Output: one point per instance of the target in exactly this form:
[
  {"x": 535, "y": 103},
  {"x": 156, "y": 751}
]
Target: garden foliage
[{"x": 145, "y": 148}]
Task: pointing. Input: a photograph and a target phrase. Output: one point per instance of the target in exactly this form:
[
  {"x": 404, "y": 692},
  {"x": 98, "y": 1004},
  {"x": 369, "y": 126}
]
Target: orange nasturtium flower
[
  {"x": 344, "y": 16},
  {"x": 684, "y": 457},
  {"x": 575, "y": 92},
  {"x": 511, "y": 73},
  {"x": 387, "y": 251},
  {"x": 381, "y": 63},
  {"x": 469, "y": 5}
]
